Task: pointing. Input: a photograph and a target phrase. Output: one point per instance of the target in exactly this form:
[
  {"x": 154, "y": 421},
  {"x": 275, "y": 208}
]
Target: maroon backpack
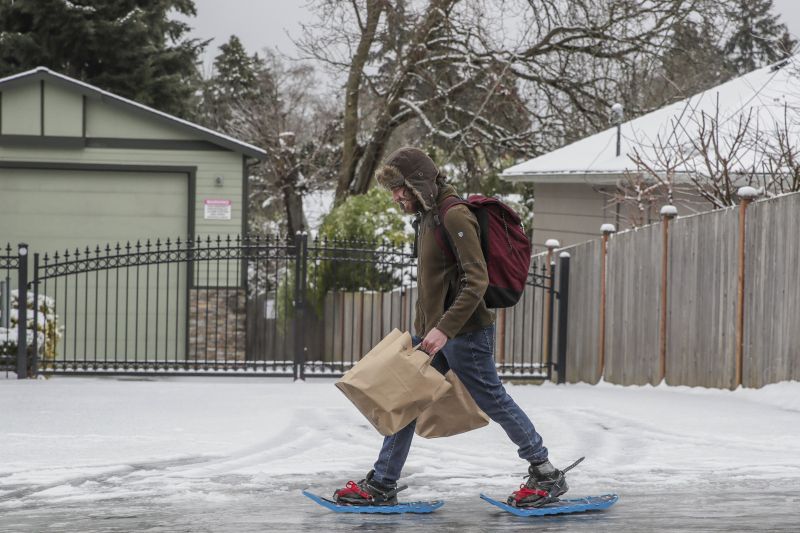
[{"x": 505, "y": 246}]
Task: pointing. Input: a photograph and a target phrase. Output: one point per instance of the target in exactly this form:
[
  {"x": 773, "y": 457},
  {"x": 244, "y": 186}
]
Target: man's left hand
[{"x": 434, "y": 341}]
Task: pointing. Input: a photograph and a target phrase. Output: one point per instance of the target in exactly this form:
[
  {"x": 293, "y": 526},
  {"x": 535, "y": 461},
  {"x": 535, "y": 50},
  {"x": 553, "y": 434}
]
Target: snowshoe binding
[
  {"x": 544, "y": 485},
  {"x": 368, "y": 491}
]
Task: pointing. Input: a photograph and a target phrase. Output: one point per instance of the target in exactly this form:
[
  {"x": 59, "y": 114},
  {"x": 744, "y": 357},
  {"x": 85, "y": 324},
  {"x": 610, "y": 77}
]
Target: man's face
[{"x": 403, "y": 196}]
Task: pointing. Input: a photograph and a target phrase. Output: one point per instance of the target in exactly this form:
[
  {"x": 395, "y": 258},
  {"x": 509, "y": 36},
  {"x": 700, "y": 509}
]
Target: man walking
[{"x": 453, "y": 319}]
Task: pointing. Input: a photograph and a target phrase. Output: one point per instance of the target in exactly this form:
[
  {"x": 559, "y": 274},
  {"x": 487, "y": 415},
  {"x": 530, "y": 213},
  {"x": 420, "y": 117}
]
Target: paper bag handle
[{"x": 418, "y": 347}]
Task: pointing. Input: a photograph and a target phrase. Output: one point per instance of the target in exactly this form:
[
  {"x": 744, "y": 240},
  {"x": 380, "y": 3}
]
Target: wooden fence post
[
  {"x": 551, "y": 245},
  {"x": 747, "y": 195},
  {"x": 607, "y": 230},
  {"x": 668, "y": 212}
]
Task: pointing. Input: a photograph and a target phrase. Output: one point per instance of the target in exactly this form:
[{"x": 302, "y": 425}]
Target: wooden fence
[{"x": 725, "y": 312}]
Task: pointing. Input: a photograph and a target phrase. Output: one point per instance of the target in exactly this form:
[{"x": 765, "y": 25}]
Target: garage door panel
[
  {"x": 57, "y": 210},
  {"x": 136, "y": 311}
]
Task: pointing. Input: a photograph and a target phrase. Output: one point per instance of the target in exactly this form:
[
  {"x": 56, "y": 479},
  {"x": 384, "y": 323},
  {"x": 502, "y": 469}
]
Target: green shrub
[{"x": 349, "y": 237}]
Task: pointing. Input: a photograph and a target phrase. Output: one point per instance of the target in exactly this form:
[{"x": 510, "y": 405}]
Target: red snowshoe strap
[
  {"x": 353, "y": 488},
  {"x": 524, "y": 492}
]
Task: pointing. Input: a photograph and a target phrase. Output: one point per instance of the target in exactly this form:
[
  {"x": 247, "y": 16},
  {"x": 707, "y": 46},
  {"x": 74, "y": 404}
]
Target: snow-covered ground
[{"x": 94, "y": 452}]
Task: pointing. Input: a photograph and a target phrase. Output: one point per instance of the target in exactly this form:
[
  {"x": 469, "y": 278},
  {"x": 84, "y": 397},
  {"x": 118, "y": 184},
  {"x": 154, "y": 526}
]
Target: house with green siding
[{"x": 82, "y": 168}]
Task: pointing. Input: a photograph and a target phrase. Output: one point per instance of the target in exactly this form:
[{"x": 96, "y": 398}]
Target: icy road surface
[{"x": 226, "y": 454}]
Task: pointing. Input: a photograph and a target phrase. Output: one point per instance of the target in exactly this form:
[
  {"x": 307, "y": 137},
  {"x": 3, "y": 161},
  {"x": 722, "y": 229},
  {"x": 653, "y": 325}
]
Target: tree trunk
[
  {"x": 350, "y": 151},
  {"x": 290, "y": 186},
  {"x": 359, "y": 164}
]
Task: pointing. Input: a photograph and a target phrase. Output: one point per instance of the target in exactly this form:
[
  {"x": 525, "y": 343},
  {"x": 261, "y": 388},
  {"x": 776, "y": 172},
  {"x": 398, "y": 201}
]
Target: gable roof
[
  {"x": 771, "y": 94},
  {"x": 220, "y": 139}
]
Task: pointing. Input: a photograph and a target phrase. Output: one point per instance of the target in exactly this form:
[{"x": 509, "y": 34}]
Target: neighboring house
[
  {"x": 80, "y": 167},
  {"x": 575, "y": 185}
]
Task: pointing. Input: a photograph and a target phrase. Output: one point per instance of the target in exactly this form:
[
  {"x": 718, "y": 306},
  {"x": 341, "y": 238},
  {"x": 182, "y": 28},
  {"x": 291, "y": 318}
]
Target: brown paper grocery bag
[
  {"x": 455, "y": 412},
  {"x": 393, "y": 335},
  {"x": 393, "y": 385}
]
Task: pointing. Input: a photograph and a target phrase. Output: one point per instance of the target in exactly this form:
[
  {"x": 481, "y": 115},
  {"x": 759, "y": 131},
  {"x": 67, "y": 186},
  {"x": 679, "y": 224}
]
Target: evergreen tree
[
  {"x": 237, "y": 82},
  {"x": 758, "y": 38},
  {"x": 129, "y": 47},
  {"x": 692, "y": 62}
]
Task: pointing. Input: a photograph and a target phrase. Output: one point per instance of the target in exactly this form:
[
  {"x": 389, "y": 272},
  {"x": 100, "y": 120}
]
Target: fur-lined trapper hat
[{"x": 411, "y": 167}]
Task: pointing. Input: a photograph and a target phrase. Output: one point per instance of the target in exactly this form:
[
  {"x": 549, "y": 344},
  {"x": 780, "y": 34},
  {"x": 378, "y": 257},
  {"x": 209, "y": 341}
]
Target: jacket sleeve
[{"x": 473, "y": 279}]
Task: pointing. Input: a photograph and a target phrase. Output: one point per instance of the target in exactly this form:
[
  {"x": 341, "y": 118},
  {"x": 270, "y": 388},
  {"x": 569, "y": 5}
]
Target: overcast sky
[{"x": 266, "y": 23}]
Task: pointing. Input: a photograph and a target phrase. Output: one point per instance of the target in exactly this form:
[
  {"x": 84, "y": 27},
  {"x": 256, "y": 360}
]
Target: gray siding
[{"x": 571, "y": 213}]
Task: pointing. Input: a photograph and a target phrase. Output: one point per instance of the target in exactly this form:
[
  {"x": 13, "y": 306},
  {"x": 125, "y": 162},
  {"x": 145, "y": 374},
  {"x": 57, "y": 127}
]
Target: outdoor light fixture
[
  {"x": 23, "y": 249},
  {"x": 218, "y": 181}
]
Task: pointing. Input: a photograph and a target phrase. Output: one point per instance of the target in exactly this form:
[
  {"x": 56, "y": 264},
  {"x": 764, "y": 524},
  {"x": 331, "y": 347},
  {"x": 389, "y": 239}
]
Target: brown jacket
[
  {"x": 450, "y": 293},
  {"x": 441, "y": 281}
]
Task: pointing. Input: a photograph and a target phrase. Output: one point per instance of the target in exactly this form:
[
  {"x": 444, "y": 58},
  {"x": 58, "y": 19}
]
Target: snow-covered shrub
[{"x": 41, "y": 318}]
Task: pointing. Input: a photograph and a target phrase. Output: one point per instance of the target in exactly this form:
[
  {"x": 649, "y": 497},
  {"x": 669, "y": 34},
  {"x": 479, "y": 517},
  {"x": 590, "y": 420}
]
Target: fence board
[
  {"x": 701, "y": 327},
  {"x": 583, "y": 320},
  {"x": 772, "y": 296},
  {"x": 632, "y": 306}
]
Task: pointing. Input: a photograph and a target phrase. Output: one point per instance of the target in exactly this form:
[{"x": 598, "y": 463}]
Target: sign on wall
[{"x": 217, "y": 209}]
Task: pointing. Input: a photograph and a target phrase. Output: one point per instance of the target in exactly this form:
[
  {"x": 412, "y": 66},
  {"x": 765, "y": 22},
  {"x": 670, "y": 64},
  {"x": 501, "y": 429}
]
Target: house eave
[
  {"x": 222, "y": 140},
  {"x": 595, "y": 178}
]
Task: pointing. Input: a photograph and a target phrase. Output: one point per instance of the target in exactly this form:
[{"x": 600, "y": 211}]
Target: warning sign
[{"x": 217, "y": 209}]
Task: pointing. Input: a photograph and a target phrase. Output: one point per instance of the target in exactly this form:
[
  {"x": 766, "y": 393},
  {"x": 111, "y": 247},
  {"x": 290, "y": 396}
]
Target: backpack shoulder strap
[
  {"x": 442, "y": 237},
  {"x": 445, "y": 206}
]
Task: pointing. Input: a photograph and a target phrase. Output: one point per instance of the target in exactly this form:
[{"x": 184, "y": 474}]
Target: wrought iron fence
[
  {"x": 9, "y": 264},
  {"x": 247, "y": 306}
]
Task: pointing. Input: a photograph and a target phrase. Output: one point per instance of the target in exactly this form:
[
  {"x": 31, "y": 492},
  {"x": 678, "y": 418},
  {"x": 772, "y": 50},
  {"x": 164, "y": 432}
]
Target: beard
[{"x": 409, "y": 205}]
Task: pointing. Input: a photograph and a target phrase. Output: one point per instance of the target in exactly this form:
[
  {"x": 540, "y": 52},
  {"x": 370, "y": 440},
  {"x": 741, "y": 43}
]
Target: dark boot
[
  {"x": 544, "y": 485},
  {"x": 368, "y": 491}
]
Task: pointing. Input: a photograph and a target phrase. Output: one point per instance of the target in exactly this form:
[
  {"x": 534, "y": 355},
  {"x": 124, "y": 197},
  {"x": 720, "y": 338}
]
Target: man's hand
[{"x": 433, "y": 342}]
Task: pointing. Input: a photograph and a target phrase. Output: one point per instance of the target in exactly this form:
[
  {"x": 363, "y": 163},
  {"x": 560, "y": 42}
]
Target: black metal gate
[{"x": 260, "y": 306}]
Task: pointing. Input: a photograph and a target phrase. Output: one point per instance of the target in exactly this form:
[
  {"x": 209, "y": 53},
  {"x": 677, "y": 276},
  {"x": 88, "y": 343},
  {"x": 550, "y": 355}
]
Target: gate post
[
  {"x": 34, "y": 368},
  {"x": 300, "y": 270},
  {"x": 22, "y": 312},
  {"x": 563, "y": 307}
]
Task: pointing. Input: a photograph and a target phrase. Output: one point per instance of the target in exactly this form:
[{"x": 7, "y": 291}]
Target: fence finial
[
  {"x": 747, "y": 193},
  {"x": 608, "y": 228},
  {"x": 552, "y": 243},
  {"x": 669, "y": 211}
]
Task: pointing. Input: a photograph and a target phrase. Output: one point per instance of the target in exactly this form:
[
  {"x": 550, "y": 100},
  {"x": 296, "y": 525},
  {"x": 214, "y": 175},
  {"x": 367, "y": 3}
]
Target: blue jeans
[{"x": 471, "y": 357}]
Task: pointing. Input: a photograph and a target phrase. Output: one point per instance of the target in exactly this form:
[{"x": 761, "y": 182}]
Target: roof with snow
[
  {"x": 770, "y": 96},
  {"x": 220, "y": 139}
]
